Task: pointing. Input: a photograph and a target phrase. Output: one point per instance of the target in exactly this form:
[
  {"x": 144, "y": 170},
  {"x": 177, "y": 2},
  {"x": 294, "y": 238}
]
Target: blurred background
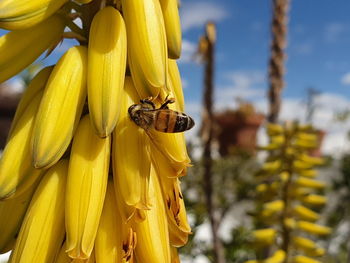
[{"x": 315, "y": 91}]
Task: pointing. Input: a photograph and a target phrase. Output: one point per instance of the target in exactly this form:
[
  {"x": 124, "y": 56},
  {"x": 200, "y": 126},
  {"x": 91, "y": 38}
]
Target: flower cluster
[
  {"x": 79, "y": 180},
  {"x": 288, "y": 195}
]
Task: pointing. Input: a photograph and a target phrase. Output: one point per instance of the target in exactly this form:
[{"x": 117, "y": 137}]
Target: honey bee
[{"x": 162, "y": 119}]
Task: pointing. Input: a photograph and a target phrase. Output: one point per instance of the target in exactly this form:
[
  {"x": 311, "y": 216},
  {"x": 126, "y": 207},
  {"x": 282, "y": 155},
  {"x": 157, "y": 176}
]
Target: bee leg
[
  {"x": 149, "y": 102},
  {"x": 167, "y": 101}
]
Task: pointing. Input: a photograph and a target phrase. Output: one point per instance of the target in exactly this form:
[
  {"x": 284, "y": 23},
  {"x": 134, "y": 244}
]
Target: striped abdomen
[{"x": 172, "y": 121}]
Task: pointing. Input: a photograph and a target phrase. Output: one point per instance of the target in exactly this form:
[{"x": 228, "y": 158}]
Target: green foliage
[{"x": 233, "y": 183}]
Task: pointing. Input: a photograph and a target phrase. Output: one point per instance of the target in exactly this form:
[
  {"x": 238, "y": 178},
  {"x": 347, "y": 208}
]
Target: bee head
[{"x": 134, "y": 113}]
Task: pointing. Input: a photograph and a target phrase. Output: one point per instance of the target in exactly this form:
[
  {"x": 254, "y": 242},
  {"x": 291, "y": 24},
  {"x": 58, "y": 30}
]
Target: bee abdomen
[
  {"x": 172, "y": 121},
  {"x": 183, "y": 123}
]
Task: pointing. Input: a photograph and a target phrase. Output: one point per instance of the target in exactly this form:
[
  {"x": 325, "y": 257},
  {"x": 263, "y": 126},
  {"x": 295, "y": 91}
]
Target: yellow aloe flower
[
  {"x": 304, "y": 259},
  {"x": 278, "y": 257},
  {"x": 173, "y": 27},
  {"x": 272, "y": 207},
  {"x": 306, "y": 182},
  {"x": 313, "y": 228},
  {"x": 42, "y": 231},
  {"x": 62, "y": 256},
  {"x": 305, "y": 213},
  {"x": 12, "y": 213},
  {"x": 152, "y": 232},
  {"x": 14, "y": 45},
  {"x": 267, "y": 235},
  {"x": 109, "y": 245},
  {"x": 60, "y": 108},
  {"x": 86, "y": 188},
  {"x": 274, "y": 129},
  {"x": 106, "y": 69},
  {"x": 131, "y": 158},
  {"x": 36, "y": 85},
  {"x": 179, "y": 228},
  {"x": 21, "y": 14},
  {"x": 147, "y": 62},
  {"x": 313, "y": 199},
  {"x": 304, "y": 243},
  {"x": 16, "y": 171}
]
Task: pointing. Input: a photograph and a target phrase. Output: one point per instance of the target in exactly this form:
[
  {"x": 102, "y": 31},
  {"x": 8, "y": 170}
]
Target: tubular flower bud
[
  {"x": 304, "y": 243},
  {"x": 21, "y": 14},
  {"x": 16, "y": 170},
  {"x": 42, "y": 231},
  {"x": 308, "y": 173},
  {"x": 289, "y": 223},
  {"x": 12, "y": 213},
  {"x": 35, "y": 86},
  {"x": 174, "y": 86},
  {"x": 272, "y": 207},
  {"x": 313, "y": 228},
  {"x": 278, "y": 257},
  {"x": 62, "y": 256},
  {"x": 303, "y": 259},
  {"x": 131, "y": 158},
  {"x": 266, "y": 236},
  {"x": 317, "y": 252},
  {"x": 274, "y": 129},
  {"x": 313, "y": 199},
  {"x": 174, "y": 255},
  {"x": 86, "y": 188},
  {"x": 147, "y": 62},
  {"x": 312, "y": 160},
  {"x": 60, "y": 108},
  {"x": 179, "y": 229},
  {"x": 305, "y": 213},
  {"x": 277, "y": 139},
  {"x": 152, "y": 232},
  {"x": 301, "y": 165},
  {"x": 172, "y": 26},
  {"x": 106, "y": 69},
  {"x": 306, "y": 182},
  {"x": 109, "y": 246},
  {"x": 14, "y": 45},
  {"x": 271, "y": 167}
]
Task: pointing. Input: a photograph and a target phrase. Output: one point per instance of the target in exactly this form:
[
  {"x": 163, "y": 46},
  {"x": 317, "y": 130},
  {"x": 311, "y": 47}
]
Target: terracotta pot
[
  {"x": 317, "y": 152},
  {"x": 236, "y": 131}
]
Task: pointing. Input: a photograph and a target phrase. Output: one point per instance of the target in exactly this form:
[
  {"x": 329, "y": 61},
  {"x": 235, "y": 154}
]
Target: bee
[{"x": 162, "y": 119}]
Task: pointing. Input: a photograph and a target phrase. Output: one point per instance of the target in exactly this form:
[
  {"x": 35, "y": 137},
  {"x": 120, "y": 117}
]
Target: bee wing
[{"x": 148, "y": 117}]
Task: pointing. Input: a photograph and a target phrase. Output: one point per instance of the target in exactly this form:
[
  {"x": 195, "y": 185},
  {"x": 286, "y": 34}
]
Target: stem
[
  {"x": 88, "y": 12},
  {"x": 286, "y": 234},
  {"x": 277, "y": 59},
  {"x": 207, "y": 137}
]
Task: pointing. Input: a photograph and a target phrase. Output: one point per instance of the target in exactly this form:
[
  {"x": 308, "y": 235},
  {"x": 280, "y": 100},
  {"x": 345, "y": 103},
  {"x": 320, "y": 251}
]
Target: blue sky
[
  {"x": 318, "y": 56},
  {"x": 318, "y": 38}
]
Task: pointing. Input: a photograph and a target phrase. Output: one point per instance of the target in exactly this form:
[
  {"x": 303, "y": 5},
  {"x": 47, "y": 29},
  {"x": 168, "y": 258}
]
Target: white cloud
[
  {"x": 196, "y": 14},
  {"x": 327, "y": 105},
  {"x": 333, "y": 31},
  {"x": 188, "y": 51},
  {"x": 245, "y": 85},
  {"x": 16, "y": 85},
  {"x": 345, "y": 80}
]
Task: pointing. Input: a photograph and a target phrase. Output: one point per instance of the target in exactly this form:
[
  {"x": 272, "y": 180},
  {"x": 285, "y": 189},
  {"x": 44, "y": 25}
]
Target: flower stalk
[{"x": 287, "y": 196}]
